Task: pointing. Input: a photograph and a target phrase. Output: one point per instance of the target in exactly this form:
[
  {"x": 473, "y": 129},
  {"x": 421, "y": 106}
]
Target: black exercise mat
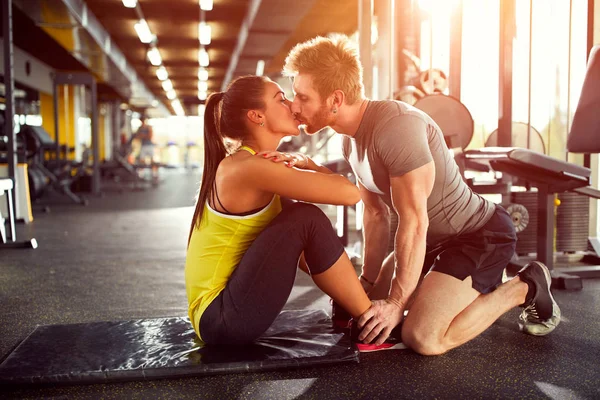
[{"x": 167, "y": 347}]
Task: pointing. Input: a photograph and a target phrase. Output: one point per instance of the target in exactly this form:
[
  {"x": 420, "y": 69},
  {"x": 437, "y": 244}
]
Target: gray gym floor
[{"x": 122, "y": 257}]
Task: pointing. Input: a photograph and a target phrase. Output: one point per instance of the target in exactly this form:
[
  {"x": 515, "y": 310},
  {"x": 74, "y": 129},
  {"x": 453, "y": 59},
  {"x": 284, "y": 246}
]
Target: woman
[{"x": 243, "y": 248}]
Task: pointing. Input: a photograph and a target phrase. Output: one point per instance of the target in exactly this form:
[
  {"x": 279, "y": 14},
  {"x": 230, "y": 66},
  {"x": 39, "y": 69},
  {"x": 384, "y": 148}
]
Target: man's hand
[{"x": 379, "y": 320}]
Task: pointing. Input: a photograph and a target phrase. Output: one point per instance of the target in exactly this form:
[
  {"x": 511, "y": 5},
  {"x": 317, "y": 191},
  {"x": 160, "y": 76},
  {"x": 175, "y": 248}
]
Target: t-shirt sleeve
[{"x": 403, "y": 144}]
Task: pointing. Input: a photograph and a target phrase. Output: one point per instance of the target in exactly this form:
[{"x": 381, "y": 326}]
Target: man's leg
[
  {"x": 448, "y": 312},
  {"x": 464, "y": 293}
]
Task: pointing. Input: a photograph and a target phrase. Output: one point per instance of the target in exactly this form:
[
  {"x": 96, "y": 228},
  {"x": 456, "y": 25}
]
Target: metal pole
[
  {"x": 365, "y": 15},
  {"x": 590, "y": 26},
  {"x": 545, "y": 229},
  {"x": 456, "y": 51},
  {"x": 55, "y": 101},
  {"x": 9, "y": 113},
  {"x": 569, "y": 76},
  {"x": 95, "y": 141},
  {"x": 529, "y": 88},
  {"x": 587, "y": 158},
  {"x": 116, "y": 127},
  {"x": 507, "y": 21}
]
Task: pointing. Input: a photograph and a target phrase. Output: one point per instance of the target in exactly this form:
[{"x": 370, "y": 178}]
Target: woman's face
[{"x": 278, "y": 114}]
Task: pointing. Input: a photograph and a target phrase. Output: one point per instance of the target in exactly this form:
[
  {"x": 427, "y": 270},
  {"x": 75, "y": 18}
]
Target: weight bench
[
  {"x": 101, "y": 352},
  {"x": 550, "y": 176}
]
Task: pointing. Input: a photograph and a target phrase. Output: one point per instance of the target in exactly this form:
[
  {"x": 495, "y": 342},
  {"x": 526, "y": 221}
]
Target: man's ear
[
  {"x": 255, "y": 116},
  {"x": 337, "y": 98}
]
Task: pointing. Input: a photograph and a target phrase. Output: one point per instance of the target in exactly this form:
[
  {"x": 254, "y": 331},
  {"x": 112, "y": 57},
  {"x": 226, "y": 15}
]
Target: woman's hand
[{"x": 290, "y": 160}]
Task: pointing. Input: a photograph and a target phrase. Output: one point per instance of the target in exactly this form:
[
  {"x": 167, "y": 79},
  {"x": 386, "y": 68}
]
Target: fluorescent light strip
[
  {"x": 154, "y": 57},
  {"x": 167, "y": 85},
  {"x": 206, "y": 5},
  {"x": 260, "y": 67},
  {"x": 162, "y": 74},
  {"x": 177, "y": 107},
  {"x": 203, "y": 58},
  {"x": 204, "y": 33},
  {"x": 202, "y": 95},
  {"x": 202, "y": 74},
  {"x": 130, "y": 3},
  {"x": 171, "y": 94},
  {"x": 202, "y": 86},
  {"x": 143, "y": 31}
]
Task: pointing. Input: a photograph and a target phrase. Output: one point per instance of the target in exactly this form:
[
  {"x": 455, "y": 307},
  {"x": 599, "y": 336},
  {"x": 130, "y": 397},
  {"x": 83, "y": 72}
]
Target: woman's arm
[{"x": 314, "y": 186}]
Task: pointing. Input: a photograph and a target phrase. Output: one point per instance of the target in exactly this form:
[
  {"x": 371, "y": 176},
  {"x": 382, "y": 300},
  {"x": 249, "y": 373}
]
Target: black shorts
[{"x": 483, "y": 255}]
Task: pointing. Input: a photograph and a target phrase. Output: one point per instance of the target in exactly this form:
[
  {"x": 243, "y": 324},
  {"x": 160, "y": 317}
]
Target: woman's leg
[{"x": 261, "y": 284}]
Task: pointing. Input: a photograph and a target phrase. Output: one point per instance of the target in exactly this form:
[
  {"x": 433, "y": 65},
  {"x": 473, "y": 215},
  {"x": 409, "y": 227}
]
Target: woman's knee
[{"x": 306, "y": 212}]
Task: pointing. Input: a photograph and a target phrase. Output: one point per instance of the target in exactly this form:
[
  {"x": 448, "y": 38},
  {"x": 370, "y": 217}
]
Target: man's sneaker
[
  {"x": 393, "y": 342},
  {"x": 340, "y": 318},
  {"x": 541, "y": 314}
]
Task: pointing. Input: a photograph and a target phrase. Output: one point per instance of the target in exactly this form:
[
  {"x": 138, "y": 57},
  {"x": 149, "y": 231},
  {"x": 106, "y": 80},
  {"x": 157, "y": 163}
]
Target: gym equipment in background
[
  {"x": 453, "y": 118},
  {"x": 523, "y": 136},
  {"x": 8, "y": 184},
  {"x": 59, "y": 172}
]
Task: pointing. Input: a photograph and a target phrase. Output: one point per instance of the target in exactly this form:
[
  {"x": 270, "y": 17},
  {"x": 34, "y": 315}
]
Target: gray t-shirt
[{"x": 395, "y": 138}]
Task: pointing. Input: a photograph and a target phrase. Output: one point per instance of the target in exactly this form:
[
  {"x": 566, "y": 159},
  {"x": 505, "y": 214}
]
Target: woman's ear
[{"x": 255, "y": 116}]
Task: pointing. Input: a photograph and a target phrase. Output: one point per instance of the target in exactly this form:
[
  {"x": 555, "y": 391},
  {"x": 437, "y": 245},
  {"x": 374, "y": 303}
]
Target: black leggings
[{"x": 261, "y": 284}]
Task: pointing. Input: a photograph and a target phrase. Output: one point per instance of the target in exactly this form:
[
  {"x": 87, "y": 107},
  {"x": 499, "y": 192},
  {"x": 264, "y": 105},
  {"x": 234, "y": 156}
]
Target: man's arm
[
  {"x": 376, "y": 231},
  {"x": 409, "y": 196}
]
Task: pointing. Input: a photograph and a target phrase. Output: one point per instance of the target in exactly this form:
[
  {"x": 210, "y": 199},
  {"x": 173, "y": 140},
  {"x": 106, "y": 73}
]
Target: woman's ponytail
[{"x": 214, "y": 153}]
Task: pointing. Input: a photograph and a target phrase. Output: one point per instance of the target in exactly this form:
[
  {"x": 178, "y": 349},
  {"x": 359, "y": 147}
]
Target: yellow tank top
[{"x": 216, "y": 248}]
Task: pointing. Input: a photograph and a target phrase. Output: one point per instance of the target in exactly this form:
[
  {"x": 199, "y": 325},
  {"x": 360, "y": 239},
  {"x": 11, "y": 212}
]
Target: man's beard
[{"x": 320, "y": 121}]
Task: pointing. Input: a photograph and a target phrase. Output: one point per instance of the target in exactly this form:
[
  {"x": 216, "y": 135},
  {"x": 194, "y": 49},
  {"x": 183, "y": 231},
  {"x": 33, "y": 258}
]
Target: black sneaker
[
  {"x": 393, "y": 342},
  {"x": 541, "y": 314},
  {"x": 340, "y": 318}
]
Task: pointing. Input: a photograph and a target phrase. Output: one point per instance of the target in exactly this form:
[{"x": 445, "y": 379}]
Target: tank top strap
[{"x": 248, "y": 149}]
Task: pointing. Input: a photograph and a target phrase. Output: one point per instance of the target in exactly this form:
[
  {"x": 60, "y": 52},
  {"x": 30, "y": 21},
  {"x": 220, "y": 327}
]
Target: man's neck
[{"x": 350, "y": 118}]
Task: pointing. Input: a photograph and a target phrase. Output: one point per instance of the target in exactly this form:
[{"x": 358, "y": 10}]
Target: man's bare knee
[{"x": 423, "y": 341}]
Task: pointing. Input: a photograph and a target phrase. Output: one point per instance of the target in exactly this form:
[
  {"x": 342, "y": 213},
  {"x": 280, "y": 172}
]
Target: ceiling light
[
  {"x": 130, "y": 3},
  {"x": 202, "y": 74},
  {"x": 171, "y": 94},
  {"x": 154, "y": 57},
  {"x": 143, "y": 31},
  {"x": 203, "y": 57},
  {"x": 206, "y": 5},
  {"x": 202, "y": 86},
  {"x": 162, "y": 74},
  {"x": 167, "y": 85},
  {"x": 177, "y": 107},
  {"x": 204, "y": 33},
  {"x": 201, "y": 108},
  {"x": 260, "y": 67},
  {"x": 202, "y": 95}
]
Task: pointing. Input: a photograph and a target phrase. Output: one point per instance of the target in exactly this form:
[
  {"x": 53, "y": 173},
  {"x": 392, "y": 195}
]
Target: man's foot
[
  {"x": 393, "y": 342},
  {"x": 541, "y": 314},
  {"x": 340, "y": 318}
]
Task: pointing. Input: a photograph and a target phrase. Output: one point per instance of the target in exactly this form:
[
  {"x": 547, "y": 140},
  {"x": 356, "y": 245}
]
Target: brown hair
[
  {"x": 225, "y": 118},
  {"x": 333, "y": 64}
]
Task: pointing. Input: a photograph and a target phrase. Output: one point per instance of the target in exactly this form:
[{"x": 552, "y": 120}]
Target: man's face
[{"x": 308, "y": 107}]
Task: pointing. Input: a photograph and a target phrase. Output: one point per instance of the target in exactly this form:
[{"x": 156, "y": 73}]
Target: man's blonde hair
[{"x": 333, "y": 64}]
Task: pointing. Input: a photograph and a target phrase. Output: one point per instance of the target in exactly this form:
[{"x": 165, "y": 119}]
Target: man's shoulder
[{"x": 386, "y": 112}]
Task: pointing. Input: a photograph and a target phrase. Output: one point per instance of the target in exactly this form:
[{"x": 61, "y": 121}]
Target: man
[{"x": 402, "y": 163}]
